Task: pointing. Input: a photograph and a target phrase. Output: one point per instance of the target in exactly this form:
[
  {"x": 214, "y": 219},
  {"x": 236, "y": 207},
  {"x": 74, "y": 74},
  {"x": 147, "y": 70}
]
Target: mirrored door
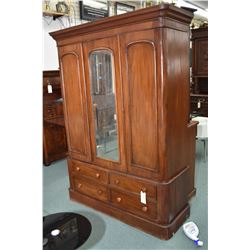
[{"x": 104, "y": 104}]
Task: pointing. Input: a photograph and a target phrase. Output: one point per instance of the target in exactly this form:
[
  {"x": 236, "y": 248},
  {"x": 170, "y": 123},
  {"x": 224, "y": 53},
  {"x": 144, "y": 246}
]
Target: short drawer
[
  {"x": 83, "y": 169},
  {"x": 133, "y": 185},
  {"x": 49, "y": 111},
  {"x": 90, "y": 188},
  {"x": 131, "y": 203}
]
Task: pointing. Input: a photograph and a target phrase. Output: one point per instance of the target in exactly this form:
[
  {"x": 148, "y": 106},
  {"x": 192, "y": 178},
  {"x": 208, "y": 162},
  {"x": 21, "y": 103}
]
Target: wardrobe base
[
  {"x": 192, "y": 193},
  {"x": 161, "y": 231}
]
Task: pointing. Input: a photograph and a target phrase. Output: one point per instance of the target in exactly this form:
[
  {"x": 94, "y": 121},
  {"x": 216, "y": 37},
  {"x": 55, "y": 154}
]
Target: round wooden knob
[
  {"x": 117, "y": 182},
  {"x": 144, "y": 209},
  {"x": 99, "y": 192},
  {"x": 144, "y": 189},
  {"x": 79, "y": 185},
  {"x": 97, "y": 175},
  {"x": 118, "y": 199},
  {"x": 77, "y": 169}
]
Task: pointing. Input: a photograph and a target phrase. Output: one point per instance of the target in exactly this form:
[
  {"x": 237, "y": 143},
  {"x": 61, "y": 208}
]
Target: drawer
[
  {"x": 49, "y": 111},
  {"x": 53, "y": 110},
  {"x": 195, "y": 106},
  {"x": 131, "y": 203},
  {"x": 133, "y": 185},
  {"x": 54, "y": 81},
  {"x": 90, "y": 188},
  {"x": 82, "y": 169},
  {"x": 202, "y": 100}
]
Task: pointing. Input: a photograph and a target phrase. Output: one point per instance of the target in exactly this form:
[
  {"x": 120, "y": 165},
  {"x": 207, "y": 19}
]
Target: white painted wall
[{"x": 50, "y": 57}]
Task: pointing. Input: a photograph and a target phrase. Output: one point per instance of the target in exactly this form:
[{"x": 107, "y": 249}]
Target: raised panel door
[
  {"x": 140, "y": 60},
  {"x": 75, "y": 106}
]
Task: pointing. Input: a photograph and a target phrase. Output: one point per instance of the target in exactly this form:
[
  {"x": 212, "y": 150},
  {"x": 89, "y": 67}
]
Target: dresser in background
[
  {"x": 199, "y": 85},
  {"x": 54, "y": 135}
]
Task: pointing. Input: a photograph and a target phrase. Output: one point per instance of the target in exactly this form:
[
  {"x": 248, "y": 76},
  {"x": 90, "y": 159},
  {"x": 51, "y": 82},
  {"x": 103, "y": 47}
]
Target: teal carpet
[{"x": 109, "y": 233}]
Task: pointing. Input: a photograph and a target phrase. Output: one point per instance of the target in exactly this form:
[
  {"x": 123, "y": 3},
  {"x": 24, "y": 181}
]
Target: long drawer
[
  {"x": 89, "y": 171},
  {"x": 133, "y": 185},
  {"x": 90, "y": 188},
  {"x": 131, "y": 203},
  {"x": 199, "y": 105}
]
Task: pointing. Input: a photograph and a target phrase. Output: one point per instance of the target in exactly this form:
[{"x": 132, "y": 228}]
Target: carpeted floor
[{"x": 109, "y": 233}]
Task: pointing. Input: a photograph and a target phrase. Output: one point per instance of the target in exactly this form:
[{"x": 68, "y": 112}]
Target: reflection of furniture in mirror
[
  {"x": 199, "y": 86},
  {"x": 103, "y": 98},
  {"x": 131, "y": 143},
  {"x": 54, "y": 135}
]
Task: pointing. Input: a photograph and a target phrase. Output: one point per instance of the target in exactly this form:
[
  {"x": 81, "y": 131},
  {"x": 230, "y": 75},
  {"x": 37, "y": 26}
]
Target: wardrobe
[{"x": 125, "y": 85}]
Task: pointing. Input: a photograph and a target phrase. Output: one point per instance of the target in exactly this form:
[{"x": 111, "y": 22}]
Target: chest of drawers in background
[{"x": 54, "y": 135}]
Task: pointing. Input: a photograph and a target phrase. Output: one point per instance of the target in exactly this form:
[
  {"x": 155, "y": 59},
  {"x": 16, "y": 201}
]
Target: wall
[{"x": 50, "y": 58}]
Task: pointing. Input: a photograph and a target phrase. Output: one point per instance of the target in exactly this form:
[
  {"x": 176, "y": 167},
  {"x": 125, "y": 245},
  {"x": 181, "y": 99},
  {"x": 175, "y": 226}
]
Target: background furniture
[
  {"x": 54, "y": 135},
  {"x": 199, "y": 86},
  {"x": 135, "y": 69}
]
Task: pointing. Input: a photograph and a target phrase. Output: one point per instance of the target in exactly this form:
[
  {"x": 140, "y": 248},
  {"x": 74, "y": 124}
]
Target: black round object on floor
[{"x": 65, "y": 231}]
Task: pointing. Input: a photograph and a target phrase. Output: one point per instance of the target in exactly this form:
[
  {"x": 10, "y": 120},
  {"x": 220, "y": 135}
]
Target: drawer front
[
  {"x": 53, "y": 110},
  {"x": 199, "y": 105},
  {"x": 54, "y": 81},
  {"x": 196, "y": 99},
  {"x": 90, "y": 188},
  {"x": 131, "y": 203},
  {"x": 195, "y": 106},
  {"x": 49, "y": 111},
  {"x": 199, "y": 111},
  {"x": 85, "y": 170},
  {"x": 133, "y": 185}
]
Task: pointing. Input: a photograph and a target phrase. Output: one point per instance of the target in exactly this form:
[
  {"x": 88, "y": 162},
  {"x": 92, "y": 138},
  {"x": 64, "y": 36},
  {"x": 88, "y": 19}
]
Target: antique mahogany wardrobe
[{"x": 125, "y": 84}]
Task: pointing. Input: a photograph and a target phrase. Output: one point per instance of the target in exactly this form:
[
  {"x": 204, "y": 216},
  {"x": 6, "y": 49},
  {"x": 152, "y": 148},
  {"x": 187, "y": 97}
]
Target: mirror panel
[{"x": 104, "y": 104}]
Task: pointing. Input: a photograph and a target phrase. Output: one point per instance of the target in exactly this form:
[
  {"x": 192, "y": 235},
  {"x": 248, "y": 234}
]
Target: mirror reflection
[{"x": 103, "y": 98}]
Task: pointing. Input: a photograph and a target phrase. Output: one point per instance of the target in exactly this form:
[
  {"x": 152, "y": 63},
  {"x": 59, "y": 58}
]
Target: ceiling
[{"x": 201, "y": 4}]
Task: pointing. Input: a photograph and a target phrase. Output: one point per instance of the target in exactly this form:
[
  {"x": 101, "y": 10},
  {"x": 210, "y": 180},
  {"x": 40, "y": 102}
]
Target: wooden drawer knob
[
  {"x": 79, "y": 185},
  {"x": 97, "y": 175},
  {"x": 144, "y": 189},
  {"x": 144, "y": 209},
  {"x": 117, "y": 182},
  {"x": 99, "y": 192},
  {"x": 77, "y": 169},
  {"x": 119, "y": 199}
]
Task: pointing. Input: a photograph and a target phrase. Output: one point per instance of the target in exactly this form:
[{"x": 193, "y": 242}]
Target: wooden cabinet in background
[
  {"x": 126, "y": 96},
  {"x": 54, "y": 135},
  {"x": 199, "y": 86}
]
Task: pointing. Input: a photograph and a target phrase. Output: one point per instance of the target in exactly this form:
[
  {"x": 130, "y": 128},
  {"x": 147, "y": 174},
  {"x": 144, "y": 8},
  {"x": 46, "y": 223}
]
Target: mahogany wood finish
[
  {"x": 54, "y": 135},
  {"x": 199, "y": 92},
  {"x": 156, "y": 140}
]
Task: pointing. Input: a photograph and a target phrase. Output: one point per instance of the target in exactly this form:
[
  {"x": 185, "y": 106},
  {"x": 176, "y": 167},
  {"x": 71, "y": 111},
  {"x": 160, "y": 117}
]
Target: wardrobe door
[
  {"x": 105, "y": 102},
  {"x": 75, "y": 105},
  {"x": 141, "y": 75}
]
